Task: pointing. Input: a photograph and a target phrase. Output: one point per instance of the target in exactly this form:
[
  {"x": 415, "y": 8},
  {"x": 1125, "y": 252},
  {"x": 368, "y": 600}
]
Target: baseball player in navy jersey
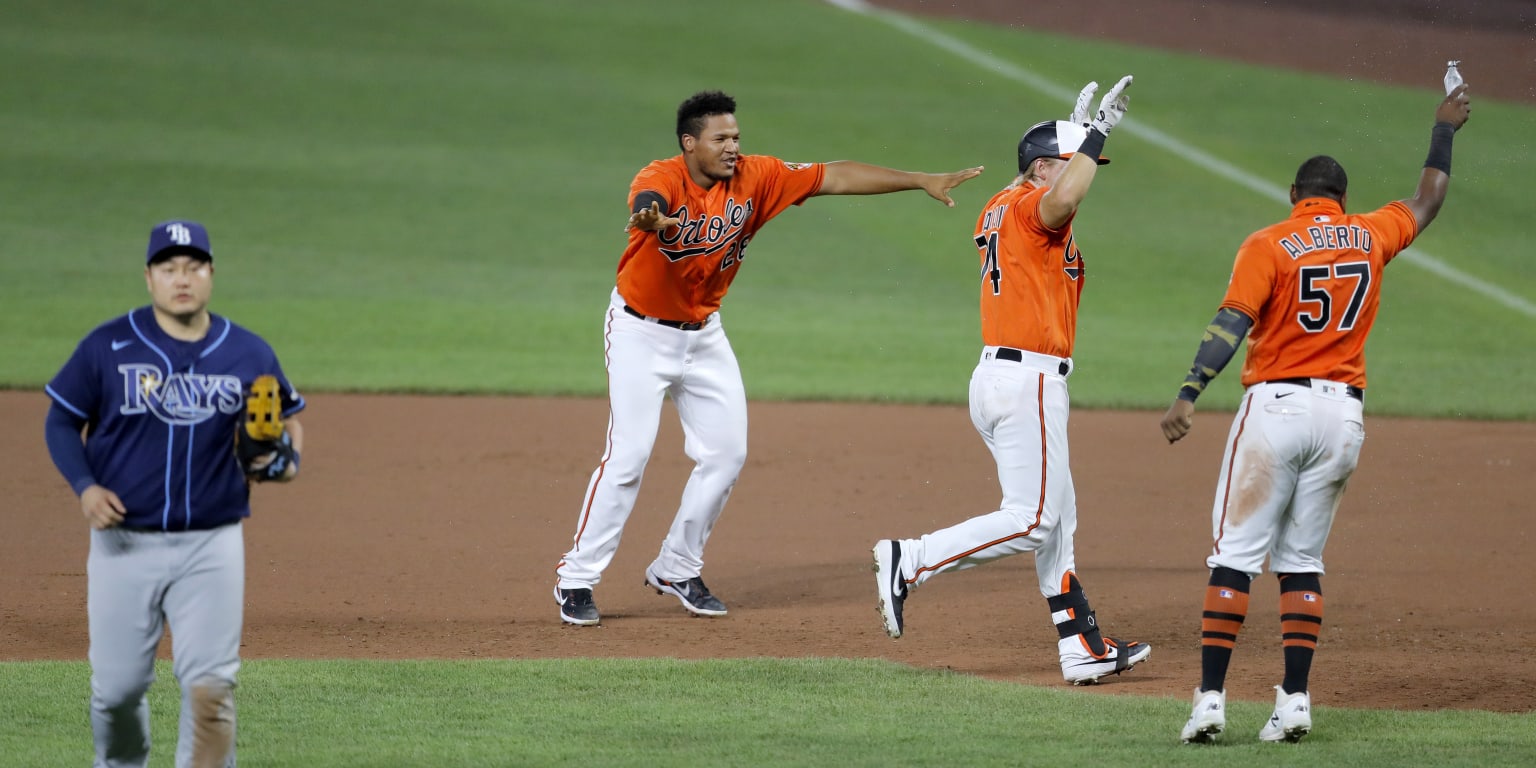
[{"x": 159, "y": 394}]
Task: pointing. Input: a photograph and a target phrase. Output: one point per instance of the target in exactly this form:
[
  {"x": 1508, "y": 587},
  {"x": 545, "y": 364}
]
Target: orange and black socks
[
  {"x": 1301, "y": 619},
  {"x": 1226, "y": 606}
]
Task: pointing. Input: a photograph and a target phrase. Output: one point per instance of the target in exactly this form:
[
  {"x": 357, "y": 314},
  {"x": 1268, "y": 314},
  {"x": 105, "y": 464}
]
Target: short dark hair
[
  {"x": 1321, "y": 176},
  {"x": 696, "y": 108}
]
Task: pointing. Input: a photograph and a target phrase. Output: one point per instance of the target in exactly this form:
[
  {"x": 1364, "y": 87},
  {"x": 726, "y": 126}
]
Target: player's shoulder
[
  {"x": 665, "y": 176},
  {"x": 664, "y": 164},
  {"x": 771, "y": 163},
  {"x": 224, "y": 331},
  {"x": 1019, "y": 190},
  {"x": 117, "y": 328},
  {"x": 1394, "y": 209},
  {"x": 666, "y": 168},
  {"x": 1021, "y": 197}
]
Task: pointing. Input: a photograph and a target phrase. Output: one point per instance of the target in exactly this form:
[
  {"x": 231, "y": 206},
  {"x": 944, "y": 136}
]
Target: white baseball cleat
[
  {"x": 1292, "y": 718},
  {"x": 1208, "y": 719},
  {"x": 1080, "y": 667}
]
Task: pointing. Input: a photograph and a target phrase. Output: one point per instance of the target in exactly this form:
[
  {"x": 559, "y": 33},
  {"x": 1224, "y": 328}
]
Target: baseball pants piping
[{"x": 646, "y": 363}]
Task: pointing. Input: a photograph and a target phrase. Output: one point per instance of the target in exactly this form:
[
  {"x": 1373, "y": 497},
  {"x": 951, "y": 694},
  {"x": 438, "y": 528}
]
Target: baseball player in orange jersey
[
  {"x": 691, "y": 218},
  {"x": 1305, "y": 292},
  {"x": 1031, "y": 278}
]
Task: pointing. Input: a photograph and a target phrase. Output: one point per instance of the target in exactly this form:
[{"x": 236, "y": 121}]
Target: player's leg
[
  {"x": 712, "y": 405},
  {"x": 1297, "y": 557},
  {"x": 1085, "y": 653},
  {"x": 642, "y": 358},
  {"x": 1258, "y": 475},
  {"x": 125, "y": 577},
  {"x": 205, "y": 605},
  {"x": 1007, "y": 406},
  {"x": 1253, "y": 488},
  {"x": 1224, "y": 609}
]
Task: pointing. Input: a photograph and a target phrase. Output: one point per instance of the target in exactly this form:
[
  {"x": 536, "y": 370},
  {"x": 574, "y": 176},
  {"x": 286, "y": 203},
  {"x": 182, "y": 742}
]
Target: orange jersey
[
  {"x": 1031, "y": 275},
  {"x": 682, "y": 272},
  {"x": 1312, "y": 284}
]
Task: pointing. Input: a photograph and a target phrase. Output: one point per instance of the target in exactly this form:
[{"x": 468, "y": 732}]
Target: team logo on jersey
[
  {"x": 797, "y": 166},
  {"x": 181, "y": 398},
  {"x": 706, "y": 235},
  {"x": 1073, "y": 258}
]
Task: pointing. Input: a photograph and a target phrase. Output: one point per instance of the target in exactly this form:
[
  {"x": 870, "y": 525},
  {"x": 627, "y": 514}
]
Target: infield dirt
[{"x": 438, "y": 536}]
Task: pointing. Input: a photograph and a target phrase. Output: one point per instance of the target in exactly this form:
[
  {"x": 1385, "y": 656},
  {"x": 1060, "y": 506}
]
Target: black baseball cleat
[
  {"x": 691, "y": 592},
  {"x": 576, "y": 606},
  {"x": 889, "y": 586}
]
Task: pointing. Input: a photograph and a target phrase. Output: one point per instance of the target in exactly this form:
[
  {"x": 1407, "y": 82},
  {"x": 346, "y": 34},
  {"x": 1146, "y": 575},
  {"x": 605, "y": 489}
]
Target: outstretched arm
[
  {"x": 1435, "y": 180},
  {"x": 848, "y": 177},
  {"x": 648, "y": 213}
]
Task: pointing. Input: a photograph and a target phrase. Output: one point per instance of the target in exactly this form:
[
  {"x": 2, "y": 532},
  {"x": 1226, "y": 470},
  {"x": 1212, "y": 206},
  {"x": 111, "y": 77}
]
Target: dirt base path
[{"x": 438, "y": 538}]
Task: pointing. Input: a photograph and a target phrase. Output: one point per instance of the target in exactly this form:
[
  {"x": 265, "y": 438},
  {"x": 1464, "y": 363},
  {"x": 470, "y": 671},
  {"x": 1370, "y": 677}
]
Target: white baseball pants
[
  {"x": 647, "y": 362},
  {"x": 1020, "y": 409},
  {"x": 1289, "y": 456}
]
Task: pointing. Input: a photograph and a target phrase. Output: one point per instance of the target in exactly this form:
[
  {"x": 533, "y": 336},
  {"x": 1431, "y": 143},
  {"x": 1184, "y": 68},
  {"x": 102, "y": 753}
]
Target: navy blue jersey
[{"x": 161, "y": 416}]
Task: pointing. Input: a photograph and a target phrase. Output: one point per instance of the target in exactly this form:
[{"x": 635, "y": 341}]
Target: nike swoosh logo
[
  {"x": 116, "y": 345},
  {"x": 1283, "y": 394}
]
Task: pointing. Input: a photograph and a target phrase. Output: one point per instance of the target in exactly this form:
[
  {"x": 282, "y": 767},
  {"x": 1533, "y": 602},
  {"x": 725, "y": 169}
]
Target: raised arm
[
  {"x": 848, "y": 177},
  {"x": 1060, "y": 203},
  {"x": 1435, "y": 180}
]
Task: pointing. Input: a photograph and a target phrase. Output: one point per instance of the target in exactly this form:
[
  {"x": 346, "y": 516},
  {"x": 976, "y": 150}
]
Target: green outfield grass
[
  {"x": 430, "y": 197},
  {"x": 752, "y": 712}
]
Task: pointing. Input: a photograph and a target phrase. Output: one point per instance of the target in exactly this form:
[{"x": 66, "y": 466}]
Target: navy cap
[{"x": 178, "y": 236}]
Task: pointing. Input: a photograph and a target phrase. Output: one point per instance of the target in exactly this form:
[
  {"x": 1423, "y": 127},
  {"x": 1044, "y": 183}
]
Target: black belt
[
  {"x": 678, "y": 324},
  {"x": 1009, "y": 353},
  {"x": 1302, "y": 381}
]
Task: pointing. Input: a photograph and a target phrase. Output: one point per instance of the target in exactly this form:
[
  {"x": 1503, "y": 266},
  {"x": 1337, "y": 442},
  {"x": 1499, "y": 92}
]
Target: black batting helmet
[{"x": 1052, "y": 138}]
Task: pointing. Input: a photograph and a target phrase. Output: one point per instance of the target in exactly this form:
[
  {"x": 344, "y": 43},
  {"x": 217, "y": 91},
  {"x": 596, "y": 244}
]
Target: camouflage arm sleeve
[{"x": 1217, "y": 347}]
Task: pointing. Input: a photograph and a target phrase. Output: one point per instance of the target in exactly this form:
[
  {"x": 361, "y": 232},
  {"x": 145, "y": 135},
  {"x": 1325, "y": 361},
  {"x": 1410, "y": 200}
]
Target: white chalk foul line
[{"x": 1162, "y": 140}]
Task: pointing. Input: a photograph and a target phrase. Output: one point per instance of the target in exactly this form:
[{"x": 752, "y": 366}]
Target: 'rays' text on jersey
[
  {"x": 704, "y": 235},
  {"x": 1330, "y": 237},
  {"x": 180, "y": 398}
]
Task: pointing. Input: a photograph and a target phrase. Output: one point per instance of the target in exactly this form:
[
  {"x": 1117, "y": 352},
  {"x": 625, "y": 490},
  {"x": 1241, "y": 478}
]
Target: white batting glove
[
  {"x": 1112, "y": 108},
  {"x": 1080, "y": 113}
]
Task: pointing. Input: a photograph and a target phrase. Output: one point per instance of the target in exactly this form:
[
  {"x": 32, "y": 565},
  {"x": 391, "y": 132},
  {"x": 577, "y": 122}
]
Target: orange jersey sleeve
[
  {"x": 1312, "y": 284},
  {"x": 683, "y": 272},
  {"x": 1031, "y": 275}
]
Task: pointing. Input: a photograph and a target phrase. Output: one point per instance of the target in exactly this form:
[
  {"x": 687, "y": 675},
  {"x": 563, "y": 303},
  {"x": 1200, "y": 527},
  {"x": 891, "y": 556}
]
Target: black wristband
[
  {"x": 1440, "y": 148},
  {"x": 1093, "y": 145}
]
